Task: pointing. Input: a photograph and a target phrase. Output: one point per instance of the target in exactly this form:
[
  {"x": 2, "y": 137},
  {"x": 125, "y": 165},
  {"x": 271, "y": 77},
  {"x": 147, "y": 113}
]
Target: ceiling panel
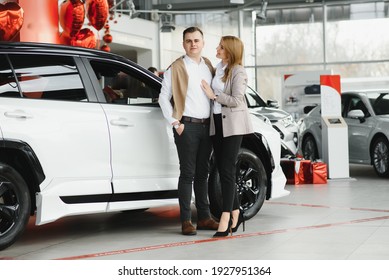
[{"x": 181, "y": 5}]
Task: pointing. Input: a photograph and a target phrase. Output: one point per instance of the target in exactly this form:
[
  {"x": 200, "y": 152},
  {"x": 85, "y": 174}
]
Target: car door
[
  {"x": 358, "y": 129},
  {"x": 144, "y": 159},
  {"x": 65, "y": 127}
]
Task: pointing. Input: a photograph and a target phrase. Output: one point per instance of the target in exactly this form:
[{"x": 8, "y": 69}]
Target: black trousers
[
  {"x": 194, "y": 148},
  {"x": 226, "y": 151}
]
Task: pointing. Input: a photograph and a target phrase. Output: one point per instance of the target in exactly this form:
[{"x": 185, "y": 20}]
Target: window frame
[{"x": 129, "y": 69}]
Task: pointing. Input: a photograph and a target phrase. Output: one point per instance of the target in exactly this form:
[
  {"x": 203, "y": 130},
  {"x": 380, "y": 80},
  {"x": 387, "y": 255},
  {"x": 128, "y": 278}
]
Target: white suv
[
  {"x": 281, "y": 120},
  {"x": 81, "y": 132}
]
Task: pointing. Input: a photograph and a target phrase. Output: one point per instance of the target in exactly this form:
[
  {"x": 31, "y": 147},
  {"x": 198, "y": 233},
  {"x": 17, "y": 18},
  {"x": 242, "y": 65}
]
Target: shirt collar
[
  {"x": 221, "y": 66},
  {"x": 189, "y": 60}
]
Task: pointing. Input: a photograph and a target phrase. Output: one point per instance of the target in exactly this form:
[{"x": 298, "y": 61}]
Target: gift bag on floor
[
  {"x": 303, "y": 172},
  {"x": 297, "y": 171},
  {"x": 319, "y": 172},
  {"x": 287, "y": 166}
]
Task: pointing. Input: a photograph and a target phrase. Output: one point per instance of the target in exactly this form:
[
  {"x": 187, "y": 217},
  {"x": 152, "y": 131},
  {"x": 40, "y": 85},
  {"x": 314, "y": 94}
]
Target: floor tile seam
[
  {"x": 326, "y": 206},
  {"x": 362, "y": 243},
  {"x": 195, "y": 242}
]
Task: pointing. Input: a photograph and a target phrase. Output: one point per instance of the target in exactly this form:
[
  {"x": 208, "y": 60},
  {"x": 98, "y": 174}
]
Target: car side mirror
[
  {"x": 356, "y": 114},
  {"x": 272, "y": 103}
]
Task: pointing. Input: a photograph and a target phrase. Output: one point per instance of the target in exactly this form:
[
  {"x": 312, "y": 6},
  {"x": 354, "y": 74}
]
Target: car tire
[
  {"x": 251, "y": 182},
  {"x": 309, "y": 148},
  {"x": 380, "y": 156},
  {"x": 15, "y": 205}
]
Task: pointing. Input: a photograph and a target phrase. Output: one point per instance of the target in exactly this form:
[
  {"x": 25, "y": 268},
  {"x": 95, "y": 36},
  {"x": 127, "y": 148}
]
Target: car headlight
[{"x": 287, "y": 121}]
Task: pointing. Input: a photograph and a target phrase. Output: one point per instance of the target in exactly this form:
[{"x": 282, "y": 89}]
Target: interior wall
[{"x": 137, "y": 39}]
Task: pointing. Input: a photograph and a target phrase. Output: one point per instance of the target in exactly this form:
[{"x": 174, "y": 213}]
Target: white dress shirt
[
  {"x": 218, "y": 86},
  {"x": 197, "y": 104}
]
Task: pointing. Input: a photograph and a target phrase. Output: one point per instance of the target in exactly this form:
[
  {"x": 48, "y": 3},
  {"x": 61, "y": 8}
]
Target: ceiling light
[
  {"x": 167, "y": 23},
  {"x": 262, "y": 13}
]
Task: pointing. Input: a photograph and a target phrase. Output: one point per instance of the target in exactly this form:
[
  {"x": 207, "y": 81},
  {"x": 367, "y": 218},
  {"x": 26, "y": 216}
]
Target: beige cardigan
[
  {"x": 180, "y": 85},
  {"x": 235, "y": 115}
]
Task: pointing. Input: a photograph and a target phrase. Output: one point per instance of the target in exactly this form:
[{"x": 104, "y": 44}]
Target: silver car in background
[
  {"x": 281, "y": 120},
  {"x": 367, "y": 116}
]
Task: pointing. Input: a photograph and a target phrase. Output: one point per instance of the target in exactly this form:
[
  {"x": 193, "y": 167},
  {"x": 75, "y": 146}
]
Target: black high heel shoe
[
  {"x": 240, "y": 221},
  {"x": 224, "y": 233}
]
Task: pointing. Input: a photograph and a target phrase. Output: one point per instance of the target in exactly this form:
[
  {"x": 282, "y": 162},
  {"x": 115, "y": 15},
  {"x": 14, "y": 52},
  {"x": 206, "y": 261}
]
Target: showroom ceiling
[{"x": 177, "y": 5}]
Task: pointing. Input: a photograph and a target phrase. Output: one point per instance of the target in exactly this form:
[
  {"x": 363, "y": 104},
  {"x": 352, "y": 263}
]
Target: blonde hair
[{"x": 234, "y": 49}]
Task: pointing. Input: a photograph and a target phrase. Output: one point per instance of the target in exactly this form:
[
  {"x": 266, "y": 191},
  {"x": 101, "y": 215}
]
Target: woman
[{"x": 230, "y": 120}]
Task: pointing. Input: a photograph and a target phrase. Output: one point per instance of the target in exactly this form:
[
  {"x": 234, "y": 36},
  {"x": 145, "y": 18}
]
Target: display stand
[{"x": 334, "y": 128}]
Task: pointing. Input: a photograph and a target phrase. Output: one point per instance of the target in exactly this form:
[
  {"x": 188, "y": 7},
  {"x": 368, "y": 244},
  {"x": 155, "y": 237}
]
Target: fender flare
[{"x": 9, "y": 147}]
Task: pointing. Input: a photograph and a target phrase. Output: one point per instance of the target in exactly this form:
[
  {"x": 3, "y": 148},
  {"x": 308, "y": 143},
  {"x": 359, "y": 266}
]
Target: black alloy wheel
[
  {"x": 309, "y": 148},
  {"x": 15, "y": 204},
  {"x": 251, "y": 182},
  {"x": 380, "y": 156}
]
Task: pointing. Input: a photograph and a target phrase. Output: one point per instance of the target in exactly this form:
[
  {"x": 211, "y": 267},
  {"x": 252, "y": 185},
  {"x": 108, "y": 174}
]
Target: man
[
  {"x": 187, "y": 109},
  {"x": 153, "y": 70}
]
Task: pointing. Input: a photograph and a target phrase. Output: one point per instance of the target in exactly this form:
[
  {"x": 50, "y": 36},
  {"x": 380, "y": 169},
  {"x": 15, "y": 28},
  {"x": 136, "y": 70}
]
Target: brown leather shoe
[
  {"x": 207, "y": 224},
  {"x": 188, "y": 228}
]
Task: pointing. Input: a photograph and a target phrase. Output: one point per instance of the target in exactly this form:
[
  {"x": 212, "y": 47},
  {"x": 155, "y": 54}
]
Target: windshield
[{"x": 380, "y": 103}]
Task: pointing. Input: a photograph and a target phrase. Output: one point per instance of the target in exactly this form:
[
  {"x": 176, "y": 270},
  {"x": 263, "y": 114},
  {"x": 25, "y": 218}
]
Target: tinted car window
[
  {"x": 48, "y": 77},
  {"x": 253, "y": 100},
  {"x": 380, "y": 103},
  {"x": 8, "y": 85},
  {"x": 121, "y": 86},
  {"x": 356, "y": 103}
]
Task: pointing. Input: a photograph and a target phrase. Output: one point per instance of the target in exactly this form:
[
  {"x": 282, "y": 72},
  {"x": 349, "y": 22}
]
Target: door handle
[
  {"x": 18, "y": 115},
  {"x": 121, "y": 122}
]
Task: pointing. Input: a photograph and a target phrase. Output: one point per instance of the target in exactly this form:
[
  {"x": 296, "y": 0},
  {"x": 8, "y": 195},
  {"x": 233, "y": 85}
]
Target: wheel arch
[
  {"x": 261, "y": 150},
  {"x": 22, "y": 158},
  {"x": 375, "y": 137},
  {"x": 317, "y": 142}
]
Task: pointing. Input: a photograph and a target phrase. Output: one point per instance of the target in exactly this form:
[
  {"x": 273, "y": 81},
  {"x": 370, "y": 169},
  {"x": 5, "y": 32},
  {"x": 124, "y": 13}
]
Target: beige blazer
[{"x": 235, "y": 115}]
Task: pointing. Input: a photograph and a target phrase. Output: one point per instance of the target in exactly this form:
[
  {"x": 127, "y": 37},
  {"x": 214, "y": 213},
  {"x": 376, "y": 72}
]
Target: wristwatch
[{"x": 177, "y": 125}]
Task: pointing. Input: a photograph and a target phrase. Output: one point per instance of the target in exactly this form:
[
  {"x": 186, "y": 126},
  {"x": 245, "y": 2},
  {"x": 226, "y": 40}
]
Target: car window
[
  {"x": 356, "y": 103},
  {"x": 380, "y": 103},
  {"x": 253, "y": 99},
  {"x": 8, "y": 85},
  {"x": 122, "y": 85},
  {"x": 342, "y": 105},
  {"x": 48, "y": 77}
]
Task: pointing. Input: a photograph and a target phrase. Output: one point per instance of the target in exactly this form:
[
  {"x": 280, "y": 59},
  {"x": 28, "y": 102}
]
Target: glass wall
[
  {"x": 213, "y": 25},
  {"x": 357, "y": 32},
  {"x": 349, "y": 39}
]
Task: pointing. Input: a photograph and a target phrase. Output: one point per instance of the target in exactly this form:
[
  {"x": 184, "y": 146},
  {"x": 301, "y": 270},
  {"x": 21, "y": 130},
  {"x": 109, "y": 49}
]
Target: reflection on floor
[{"x": 343, "y": 219}]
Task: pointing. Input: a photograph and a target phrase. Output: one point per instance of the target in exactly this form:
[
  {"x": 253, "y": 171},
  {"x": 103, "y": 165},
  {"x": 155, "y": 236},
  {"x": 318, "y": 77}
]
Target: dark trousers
[
  {"x": 226, "y": 151},
  {"x": 194, "y": 148}
]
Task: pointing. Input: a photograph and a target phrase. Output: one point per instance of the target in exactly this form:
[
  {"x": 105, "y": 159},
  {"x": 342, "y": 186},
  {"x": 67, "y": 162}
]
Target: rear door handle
[
  {"x": 18, "y": 115},
  {"x": 121, "y": 122}
]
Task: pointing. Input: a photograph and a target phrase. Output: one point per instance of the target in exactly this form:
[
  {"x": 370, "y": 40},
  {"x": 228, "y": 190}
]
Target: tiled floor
[{"x": 341, "y": 220}]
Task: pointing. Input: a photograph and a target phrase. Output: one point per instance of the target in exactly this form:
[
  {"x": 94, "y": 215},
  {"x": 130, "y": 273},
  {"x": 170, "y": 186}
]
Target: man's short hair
[
  {"x": 152, "y": 69},
  {"x": 191, "y": 30}
]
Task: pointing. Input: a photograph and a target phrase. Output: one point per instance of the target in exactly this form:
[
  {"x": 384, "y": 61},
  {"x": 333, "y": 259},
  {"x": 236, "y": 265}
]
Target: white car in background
[
  {"x": 367, "y": 116},
  {"x": 281, "y": 120}
]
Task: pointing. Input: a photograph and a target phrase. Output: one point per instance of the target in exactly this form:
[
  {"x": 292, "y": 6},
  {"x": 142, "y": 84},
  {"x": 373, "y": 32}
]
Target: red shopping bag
[
  {"x": 287, "y": 166},
  {"x": 297, "y": 171},
  {"x": 319, "y": 173},
  {"x": 303, "y": 172}
]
